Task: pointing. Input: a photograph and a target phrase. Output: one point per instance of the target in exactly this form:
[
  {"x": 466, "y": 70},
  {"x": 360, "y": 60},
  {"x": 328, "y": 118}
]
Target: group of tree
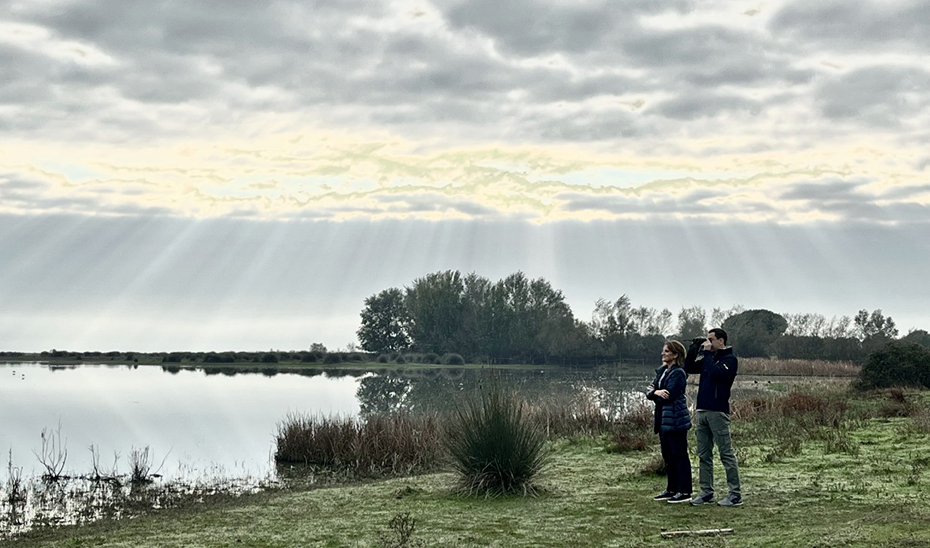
[{"x": 519, "y": 320}]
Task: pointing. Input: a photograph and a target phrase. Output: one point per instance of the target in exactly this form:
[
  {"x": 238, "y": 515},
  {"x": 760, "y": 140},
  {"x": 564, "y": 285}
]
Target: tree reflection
[{"x": 381, "y": 394}]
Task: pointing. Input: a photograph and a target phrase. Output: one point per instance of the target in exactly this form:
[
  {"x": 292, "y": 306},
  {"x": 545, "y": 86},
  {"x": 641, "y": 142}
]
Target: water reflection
[{"x": 212, "y": 429}]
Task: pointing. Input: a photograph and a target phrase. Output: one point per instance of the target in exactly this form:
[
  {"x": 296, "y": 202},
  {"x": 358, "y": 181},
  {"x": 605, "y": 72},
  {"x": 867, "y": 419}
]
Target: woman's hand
[{"x": 662, "y": 394}]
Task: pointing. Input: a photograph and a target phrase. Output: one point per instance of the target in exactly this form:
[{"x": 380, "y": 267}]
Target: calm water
[{"x": 223, "y": 425}]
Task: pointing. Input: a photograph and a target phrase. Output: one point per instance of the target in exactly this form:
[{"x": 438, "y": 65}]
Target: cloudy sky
[{"x": 213, "y": 174}]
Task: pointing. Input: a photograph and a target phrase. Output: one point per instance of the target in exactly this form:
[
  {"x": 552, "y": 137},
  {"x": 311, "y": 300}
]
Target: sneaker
[
  {"x": 680, "y": 497},
  {"x": 703, "y": 498},
  {"x": 731, "y": 500},
  {"x": 664, "y": 495}
]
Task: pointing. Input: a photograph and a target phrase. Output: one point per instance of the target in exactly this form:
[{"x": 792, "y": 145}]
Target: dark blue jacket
[
  {"x": 671, "y": 415},
  {"x": 717, "y": 370}
]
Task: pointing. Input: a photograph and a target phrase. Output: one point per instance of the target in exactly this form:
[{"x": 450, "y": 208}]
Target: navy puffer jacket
[{"x": 671, "y": 415}]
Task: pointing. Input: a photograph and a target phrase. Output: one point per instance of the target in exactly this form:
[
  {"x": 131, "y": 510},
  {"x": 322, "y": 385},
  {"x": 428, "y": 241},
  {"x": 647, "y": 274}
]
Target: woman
[{"x": 672, "y": 421}]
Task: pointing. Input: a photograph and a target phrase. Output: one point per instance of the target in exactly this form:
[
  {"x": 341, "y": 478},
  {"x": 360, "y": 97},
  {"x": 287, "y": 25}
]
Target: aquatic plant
[{"x": 53, "y": 455}]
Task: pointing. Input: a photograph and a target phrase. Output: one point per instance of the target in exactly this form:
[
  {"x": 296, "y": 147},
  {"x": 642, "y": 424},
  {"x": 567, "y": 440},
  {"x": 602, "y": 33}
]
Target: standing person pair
[{"x": 717, "y": 365}]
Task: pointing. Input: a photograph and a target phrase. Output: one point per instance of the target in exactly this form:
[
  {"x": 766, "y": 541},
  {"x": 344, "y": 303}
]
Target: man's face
[{"x": 715, "y": 343}]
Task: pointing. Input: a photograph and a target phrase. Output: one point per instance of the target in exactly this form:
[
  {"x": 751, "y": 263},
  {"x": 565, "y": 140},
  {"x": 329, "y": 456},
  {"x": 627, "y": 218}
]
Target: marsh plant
[
  {"x": 53, "y": 454},
  {"x": 494, "y": 447},
  {"x": 141, "y": 463},
  {"x": 392, "y": 444},
  {"x": 14, "y": 490}
]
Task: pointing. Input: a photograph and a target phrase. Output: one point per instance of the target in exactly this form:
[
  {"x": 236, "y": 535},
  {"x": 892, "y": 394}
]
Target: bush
[
  {"x": 383, "y": 358},
  {"x": 400, "y": 359},
  {"x": 453, "y": 359},
  {"x": 494, "y": 448},
  {"x": 430, "y": 357},
  {"x": 332, "y": 358},
  {"x": 308, "y": 357},
  {"x": 269, "y": 358},
  {"x": 896, "y": 364}
]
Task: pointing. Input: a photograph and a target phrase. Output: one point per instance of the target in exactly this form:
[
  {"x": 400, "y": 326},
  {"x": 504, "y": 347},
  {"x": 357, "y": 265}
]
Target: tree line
[{"x": 522, "y": 320}]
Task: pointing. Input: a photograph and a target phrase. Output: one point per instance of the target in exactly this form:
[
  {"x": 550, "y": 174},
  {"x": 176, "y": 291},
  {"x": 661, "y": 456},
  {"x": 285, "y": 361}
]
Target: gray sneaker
[
  {"x": 731, "y": 500},
  {"x": 703, "y": 498}
]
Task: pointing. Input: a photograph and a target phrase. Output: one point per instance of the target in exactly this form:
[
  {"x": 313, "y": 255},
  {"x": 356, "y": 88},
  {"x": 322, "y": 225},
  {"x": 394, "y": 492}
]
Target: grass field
[{"x": 854, "y": 471}]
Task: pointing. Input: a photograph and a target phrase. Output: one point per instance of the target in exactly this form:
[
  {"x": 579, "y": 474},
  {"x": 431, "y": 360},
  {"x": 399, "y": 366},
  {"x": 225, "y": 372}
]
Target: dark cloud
[
  {"x": 855, "y": 25},
  {"x": 824, "y": 190},
  {"x": 700, "y": 104},
  {"x": 878, "y": 95}
]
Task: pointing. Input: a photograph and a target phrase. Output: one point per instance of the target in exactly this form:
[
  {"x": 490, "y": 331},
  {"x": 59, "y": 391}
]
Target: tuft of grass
[
  {"x": 399, "y": 533},
  {"x": 494, "y": 448}
]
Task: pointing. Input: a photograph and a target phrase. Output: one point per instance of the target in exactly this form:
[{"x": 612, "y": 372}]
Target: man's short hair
[{"x": 720, "y": 334}]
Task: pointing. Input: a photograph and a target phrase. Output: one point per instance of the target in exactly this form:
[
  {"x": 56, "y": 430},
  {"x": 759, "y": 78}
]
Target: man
[{"x": 717, "y": 365}]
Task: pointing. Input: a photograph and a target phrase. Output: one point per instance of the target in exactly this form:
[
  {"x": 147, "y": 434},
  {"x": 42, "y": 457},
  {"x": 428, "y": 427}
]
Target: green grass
[{"x": 822, "y": 495}]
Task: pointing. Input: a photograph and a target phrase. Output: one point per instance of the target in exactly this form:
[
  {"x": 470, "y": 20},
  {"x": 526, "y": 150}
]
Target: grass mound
[{"x": 494, "y": 448}]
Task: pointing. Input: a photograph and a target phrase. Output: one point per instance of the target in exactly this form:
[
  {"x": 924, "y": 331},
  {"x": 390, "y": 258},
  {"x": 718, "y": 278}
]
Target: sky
[{"x": 231, "y": 175}]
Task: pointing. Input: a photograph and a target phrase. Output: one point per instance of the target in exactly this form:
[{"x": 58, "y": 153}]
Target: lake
[{"x": 222, "y": 424}]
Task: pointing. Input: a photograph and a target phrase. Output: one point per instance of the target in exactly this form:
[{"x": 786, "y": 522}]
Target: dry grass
[
  {"x": 381, "y": 445},
  {"x": 797, "y": 368}
]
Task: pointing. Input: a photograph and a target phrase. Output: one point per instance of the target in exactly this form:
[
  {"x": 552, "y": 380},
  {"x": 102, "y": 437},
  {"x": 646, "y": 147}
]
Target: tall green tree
[
  {"x": 692, "y": 322},
  {"x": 919, "y": 337},
  {"x": 385, "y": 322},
  {"x": 437, "y": 312},
  {"x": 753, "y": 331},
  {"x": 875, "y": 330}
]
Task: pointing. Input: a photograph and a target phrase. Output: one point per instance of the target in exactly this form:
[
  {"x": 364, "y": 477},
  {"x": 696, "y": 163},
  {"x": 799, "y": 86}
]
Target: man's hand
[
  {"x": 662, "y": 394},
  {"x": 705, "y": 345}
]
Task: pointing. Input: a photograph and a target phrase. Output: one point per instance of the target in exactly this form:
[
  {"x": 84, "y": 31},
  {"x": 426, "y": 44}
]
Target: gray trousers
[{"x": 713, "y": 427}]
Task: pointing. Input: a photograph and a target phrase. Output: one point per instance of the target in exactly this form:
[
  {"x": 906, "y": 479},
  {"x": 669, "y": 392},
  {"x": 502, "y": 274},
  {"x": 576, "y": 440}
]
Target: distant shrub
[
  {"x": 633, "y": 432},
  {"x": 896, "y": 364},
  {"x": 270, "y": 358},
  {"x": 400, "y": 359},
  {"x": 332, "y": 357},
  {"x": 383, "y": 358},
  {"x": 493, "y": 446},
  {"x": 225, "y": 357},
  {"x": 308, "y": 357},
  {"x": 896, "y": 405},
  {"x": 429, "y": 357},
  {"x": 171, "y": 358},
  {"x": 453, "y": 359},
  {"x": 355, "y": 357}
]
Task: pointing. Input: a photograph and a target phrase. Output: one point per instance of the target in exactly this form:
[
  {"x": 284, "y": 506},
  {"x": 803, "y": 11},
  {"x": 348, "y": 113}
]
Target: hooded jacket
[{"x": 717, "y": 370}]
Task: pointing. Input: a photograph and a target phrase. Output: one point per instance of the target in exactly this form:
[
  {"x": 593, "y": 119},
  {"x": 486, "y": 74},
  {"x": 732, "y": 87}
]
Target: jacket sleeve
[
  {"x": 692, "y": 364},
  {"x": 720, "y": 368}
]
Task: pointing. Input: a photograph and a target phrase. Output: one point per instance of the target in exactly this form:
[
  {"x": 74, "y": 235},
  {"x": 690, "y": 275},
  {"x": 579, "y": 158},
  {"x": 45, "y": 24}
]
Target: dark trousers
[{"x": 677, "y": 466}]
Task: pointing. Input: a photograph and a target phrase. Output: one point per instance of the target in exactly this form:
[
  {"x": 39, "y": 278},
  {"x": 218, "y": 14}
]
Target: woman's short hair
[{"x": 675, "y": 347}]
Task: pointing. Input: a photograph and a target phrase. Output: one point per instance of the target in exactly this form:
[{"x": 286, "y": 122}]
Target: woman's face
[{"x": 667, "y": 355}]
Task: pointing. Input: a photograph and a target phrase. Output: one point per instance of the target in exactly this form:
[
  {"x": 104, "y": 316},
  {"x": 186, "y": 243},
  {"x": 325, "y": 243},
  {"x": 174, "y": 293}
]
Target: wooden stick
[{"x": 702, "y": 532}]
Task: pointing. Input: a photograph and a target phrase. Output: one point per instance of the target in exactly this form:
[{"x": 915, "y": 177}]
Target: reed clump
[
  {"x": 494, "y": 447},
  {"x": 394, "y": 444}
]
